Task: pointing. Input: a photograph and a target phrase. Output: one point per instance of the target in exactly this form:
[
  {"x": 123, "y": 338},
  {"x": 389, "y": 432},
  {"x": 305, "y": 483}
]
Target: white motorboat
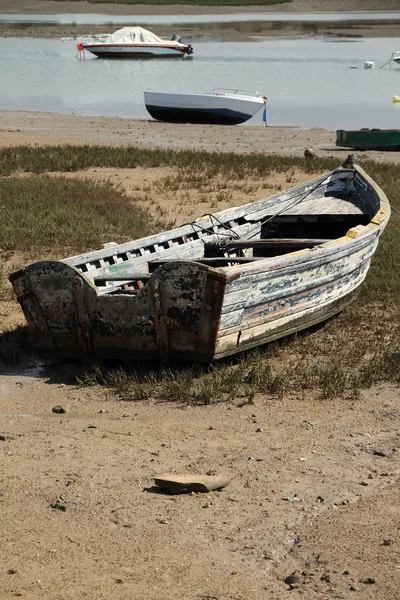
[
  {"x": 134, "y": 42},
  {"x": 221, "y": 107}
]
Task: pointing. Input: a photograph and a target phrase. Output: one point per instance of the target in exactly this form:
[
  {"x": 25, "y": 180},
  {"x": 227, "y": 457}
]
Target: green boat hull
[{"x": 369, "y": 139}]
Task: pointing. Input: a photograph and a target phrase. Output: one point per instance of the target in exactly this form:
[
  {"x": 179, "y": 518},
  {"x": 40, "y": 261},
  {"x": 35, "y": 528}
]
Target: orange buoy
[{"x": 80, "y": 46}]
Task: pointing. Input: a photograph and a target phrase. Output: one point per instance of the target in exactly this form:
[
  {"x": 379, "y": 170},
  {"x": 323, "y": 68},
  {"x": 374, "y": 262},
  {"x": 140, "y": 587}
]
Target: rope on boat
[
  {"x": 277, "y": 214},
  {"x": 233, "y": 234},
  {"x": 259, "y": 226},
  {"x": 206, "y": 230},
  {"x": 395, "y": 209},
  {"x": 388, "y": 62}
]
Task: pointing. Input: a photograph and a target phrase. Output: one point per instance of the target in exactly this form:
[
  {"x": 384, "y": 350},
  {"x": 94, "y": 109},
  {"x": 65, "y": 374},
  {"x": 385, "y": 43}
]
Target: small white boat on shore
[
  {"x": 134, "y": 42},
  {"x": 221, "y": 107}
]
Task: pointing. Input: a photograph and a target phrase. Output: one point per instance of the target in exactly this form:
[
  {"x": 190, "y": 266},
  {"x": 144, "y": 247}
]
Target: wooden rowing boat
[{"x": 225, "y": 283}]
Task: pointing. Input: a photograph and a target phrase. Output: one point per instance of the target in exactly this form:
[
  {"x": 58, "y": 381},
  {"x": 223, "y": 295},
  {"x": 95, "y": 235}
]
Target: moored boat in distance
[
  {"x": 134, "y": 42},
  {"x": 221, "y": 106},
  {"x": 222, "y": 284},
  {"x": 369, "y": 139}
]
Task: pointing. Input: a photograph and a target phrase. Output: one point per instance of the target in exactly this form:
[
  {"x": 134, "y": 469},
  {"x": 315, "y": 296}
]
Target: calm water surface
[{"x": 309, "y": 83}]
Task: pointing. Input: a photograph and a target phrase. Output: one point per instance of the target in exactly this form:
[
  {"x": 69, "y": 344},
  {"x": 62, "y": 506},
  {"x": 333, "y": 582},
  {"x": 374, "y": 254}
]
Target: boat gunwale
[
  {"x": 297, "y": 256},
  {"x": 234, "y": 212},
  {"x": 256, "y": 99},
  {"x": 291, "y": 259}
]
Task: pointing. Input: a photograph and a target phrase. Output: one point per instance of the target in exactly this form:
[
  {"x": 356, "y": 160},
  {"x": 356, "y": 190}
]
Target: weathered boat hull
[
  {"x": 369, "y": 139},
  {"x": 168, "y": 297},
  {"x": 212, "y": 108},
  {"x": 68, "y": 318},
  {"x": 199, "y": 116},
  {"x": 137, "y": 51}
]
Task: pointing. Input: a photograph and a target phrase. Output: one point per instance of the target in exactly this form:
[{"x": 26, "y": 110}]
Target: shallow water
[{"x": 309, "y": 82}]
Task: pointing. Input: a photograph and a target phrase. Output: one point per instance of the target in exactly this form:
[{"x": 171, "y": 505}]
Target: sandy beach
[
  {"x": 37, "y": 128},
  {"x": 312, "y": 507}
]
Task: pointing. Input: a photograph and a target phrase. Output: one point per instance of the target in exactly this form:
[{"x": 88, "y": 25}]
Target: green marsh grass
[
  {"x": 203, "y": 165},
  {"x": 42, "y": 214},
  {"x": 348, "y": 353}
]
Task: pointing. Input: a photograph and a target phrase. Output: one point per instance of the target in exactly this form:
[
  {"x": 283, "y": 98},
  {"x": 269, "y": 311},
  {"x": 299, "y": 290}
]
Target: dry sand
[
  {"x": 315, "y": 484},
  {"x": 308, "y": 494},
  {"x": 37, "y": 128}
]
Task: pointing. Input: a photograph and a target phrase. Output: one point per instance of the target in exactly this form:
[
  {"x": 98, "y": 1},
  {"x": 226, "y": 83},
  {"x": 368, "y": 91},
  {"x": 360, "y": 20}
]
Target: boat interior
[{"x": 300, "y": 220}]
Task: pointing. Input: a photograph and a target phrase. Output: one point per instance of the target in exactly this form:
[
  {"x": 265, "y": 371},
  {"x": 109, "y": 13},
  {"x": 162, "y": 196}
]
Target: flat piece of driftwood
[{"x": 184, "y": 484}]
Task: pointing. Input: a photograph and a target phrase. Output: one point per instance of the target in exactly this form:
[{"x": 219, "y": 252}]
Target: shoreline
[
  {"x": 41, "y": 128},
  {"x": 47, "y": 129}
]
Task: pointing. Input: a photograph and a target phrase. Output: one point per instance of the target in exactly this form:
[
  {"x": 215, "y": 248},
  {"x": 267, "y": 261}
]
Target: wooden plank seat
[
  {"x": 212, "y": 261},
  {"x": 331, "y": 205},
  {"x": 289, "y": 243},
  {"x": 272, "y": 243},
  {"x": 121, "y": 277}
]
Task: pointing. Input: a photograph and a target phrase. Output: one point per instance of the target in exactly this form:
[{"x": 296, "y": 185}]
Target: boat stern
[{"x": 175, "y": 315}]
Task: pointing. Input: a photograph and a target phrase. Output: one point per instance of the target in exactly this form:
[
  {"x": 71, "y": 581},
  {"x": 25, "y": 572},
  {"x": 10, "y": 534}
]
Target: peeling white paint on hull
[{"x": 222, "y": 284}]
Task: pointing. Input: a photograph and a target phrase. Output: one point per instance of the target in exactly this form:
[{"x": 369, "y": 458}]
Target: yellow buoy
[{"x": 396, "y": 98}]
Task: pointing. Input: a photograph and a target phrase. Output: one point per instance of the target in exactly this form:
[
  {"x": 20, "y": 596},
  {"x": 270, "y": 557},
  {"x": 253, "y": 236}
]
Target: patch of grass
[
  {"x": 201, "y": 165},
  {"x": 66, "y": 215},
  {"x": 262, "y": 378},
  {"x": 194, "y": 384},
  {"x": 327, "y": 372}
]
